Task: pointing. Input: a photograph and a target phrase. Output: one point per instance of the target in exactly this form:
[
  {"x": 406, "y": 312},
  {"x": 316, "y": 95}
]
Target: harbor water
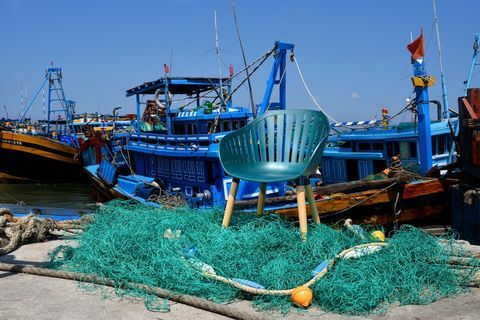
[{"x": 67, "y": 200}]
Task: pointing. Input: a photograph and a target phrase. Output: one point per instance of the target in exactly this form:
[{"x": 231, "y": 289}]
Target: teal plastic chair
[{"x": 279, "y": 146}]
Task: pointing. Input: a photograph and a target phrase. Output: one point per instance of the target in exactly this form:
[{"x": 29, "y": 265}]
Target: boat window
[
  {"x": 377, "y": 146},
  {"x": 234, "y": 125},
  {"x": 209, "y": 126},
  {"x": 413, "y": 149},
  {"x": 204, "y": 142},
  {"x": 345, "y": 144},
  {"x": 180, "y": 129},
  {"x": 363, "y": 146},
  {"x": 226, "y": 126},
  {"x": 242, "y": 123},
  {"x": 441, "y": 145},
  {"x": 352, "y": 170},
  {"x": 404, "y": 150},
  {"x": 189, "y": 129},
  {"x": 392, "y": 149},
  {"x": 379, "y": 165},
  {"x": 194, "y": 128}
]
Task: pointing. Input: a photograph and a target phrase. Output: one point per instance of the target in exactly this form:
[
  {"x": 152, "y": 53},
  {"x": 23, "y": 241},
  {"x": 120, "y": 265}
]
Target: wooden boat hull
[
  {"x": 420, "y": 203},
  {"x": 27, "y": 158}
]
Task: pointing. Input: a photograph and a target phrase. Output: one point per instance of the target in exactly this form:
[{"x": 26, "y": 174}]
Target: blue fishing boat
[
  {"x": 357, "y": 153},
  {"x": 174, "y": 150},
  {"x": 359, "y": 149},
  {"x": 173, "y": 156}
]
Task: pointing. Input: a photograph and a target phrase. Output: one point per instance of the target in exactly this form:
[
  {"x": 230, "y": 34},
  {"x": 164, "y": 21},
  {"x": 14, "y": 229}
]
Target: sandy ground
[{"x": 24, "y": 296}]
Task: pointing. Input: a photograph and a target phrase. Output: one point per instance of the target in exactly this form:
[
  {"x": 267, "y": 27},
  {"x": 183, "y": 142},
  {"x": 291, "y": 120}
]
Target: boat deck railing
[{"x": 190, "y": 143}]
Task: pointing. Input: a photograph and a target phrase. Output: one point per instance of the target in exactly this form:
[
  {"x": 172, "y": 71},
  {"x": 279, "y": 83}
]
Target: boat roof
[
  {"x": 177, "y": 85},
  {"x": 397, "y": 132}
]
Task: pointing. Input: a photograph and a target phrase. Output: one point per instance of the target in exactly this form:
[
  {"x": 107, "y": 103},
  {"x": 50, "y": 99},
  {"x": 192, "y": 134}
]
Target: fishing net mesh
[{"x": 153, "y": 246}]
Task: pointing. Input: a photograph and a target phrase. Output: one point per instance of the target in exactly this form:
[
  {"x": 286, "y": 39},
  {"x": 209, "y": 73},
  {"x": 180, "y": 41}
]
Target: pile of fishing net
[{"x": 175, "y": 248}]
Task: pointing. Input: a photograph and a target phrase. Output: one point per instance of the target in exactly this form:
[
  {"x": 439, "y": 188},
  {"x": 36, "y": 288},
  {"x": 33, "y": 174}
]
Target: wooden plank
[
  {"x": 372, "y": 198},
  {"x": 413, "y": 190},
  {"x": 327, "y": 190},
  {"x": 406, "y": 216},
  {"x": 341, "y": 202}
]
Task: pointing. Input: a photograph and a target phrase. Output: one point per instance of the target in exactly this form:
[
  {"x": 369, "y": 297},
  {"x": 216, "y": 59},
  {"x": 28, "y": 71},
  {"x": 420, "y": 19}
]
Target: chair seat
[{"x": 266, "y": 171}]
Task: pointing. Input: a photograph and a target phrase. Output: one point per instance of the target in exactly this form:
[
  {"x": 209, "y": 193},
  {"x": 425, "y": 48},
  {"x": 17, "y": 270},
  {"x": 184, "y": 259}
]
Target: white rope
[
  {"x": 277, "y": 92},
  {"x": 310, "y": 93}
]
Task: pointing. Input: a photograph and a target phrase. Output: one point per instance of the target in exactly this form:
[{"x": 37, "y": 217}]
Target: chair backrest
[{"x": 286, "y": 136}]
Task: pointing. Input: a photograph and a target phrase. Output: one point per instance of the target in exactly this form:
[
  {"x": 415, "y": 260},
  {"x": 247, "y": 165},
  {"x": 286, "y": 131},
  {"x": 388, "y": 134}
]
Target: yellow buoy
[
  {"x": 377, "y": 234},
  {"x": 302, "y": 296}
]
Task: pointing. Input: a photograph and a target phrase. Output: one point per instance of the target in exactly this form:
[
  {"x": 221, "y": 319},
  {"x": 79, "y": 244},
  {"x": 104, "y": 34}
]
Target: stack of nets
[{"x": 133, "y": 243}]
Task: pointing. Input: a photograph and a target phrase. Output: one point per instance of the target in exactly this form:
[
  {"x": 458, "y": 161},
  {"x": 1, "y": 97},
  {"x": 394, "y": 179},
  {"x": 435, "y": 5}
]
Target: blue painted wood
[
  {"x": 423, "y": 107},
  {"x": 466, "y": 214},
  {"x": 278, "y": 70},
  {"x": 107, "y": 172},
  {"x": 365, "y": 168}
]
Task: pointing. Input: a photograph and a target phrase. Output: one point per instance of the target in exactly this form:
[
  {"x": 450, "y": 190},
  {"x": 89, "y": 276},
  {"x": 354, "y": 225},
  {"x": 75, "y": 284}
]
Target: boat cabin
[
  {"x": 176, "y": 141},
  {"x": 356, "y": 154}
]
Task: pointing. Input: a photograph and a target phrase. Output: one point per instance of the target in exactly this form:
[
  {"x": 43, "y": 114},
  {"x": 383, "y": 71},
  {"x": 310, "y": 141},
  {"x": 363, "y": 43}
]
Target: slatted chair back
[{"x": 291, "y": 141}]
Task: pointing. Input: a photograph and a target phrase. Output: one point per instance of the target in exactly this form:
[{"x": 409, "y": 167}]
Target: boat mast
[
  {"x": 250, "y": 91},
  {"x": 217, "y": 49},
  {"x": 278, "y": 69},
  {"x": 476, "y": 49},
  {"x": 57, "y": 102},
  {"x": 446, "y": 114},
  {"x": 421, "y": 81}
]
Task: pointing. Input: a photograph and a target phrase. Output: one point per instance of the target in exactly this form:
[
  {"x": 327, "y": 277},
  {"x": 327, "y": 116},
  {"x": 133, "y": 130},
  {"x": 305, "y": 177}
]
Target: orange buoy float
[{"x": 302, "y": 296}]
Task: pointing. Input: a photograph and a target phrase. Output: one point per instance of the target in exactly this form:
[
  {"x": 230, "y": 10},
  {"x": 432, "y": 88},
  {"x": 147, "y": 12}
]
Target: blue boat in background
[
  {"x": 174, "y": 150},
  {"x": 173, "y": 154},
  {"x": 361, "y": 152}
]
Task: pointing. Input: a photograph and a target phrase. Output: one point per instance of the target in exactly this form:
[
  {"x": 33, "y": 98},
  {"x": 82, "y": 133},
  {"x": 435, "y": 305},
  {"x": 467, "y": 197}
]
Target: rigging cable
[
  {"x": 263, "y": 58},
  {"x": 310, "y": 93},
  {"x": 250, "y": 91}
]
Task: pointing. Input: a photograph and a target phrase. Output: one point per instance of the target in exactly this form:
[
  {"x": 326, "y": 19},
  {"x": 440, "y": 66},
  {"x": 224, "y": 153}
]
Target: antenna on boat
[
  {"x": 252, "y": 104},
  {"x": 21, "y": 101},
  {"x": 476, "y": 50},
  {"x": 446, "y": 114},
  {"x": 217, "y": 49},
  {"x": 171, "y": 62},
  {"x": 43, "y": 101}
]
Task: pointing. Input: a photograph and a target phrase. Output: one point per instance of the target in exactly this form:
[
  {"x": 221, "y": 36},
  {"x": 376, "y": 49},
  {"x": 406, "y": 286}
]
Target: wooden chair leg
[
  {"x": 302, "y": 210},
  {"x": 230, "y": 203},
  {"x": 311, "y": 203},
  {"x": 261, "y": 198}
]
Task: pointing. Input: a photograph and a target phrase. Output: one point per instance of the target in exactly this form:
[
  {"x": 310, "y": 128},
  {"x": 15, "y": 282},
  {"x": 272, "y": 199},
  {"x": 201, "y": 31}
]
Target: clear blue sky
[{"x": 352, "y": 53}]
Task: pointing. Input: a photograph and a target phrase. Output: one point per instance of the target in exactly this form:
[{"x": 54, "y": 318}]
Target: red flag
[{"x": 416, "y": 47}]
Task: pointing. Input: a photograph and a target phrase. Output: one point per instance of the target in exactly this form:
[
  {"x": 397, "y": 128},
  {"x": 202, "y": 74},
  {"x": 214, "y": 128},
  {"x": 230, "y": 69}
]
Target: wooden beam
[
  {"x": 230, "y": 203},
  {"x": 372, "y": 198},
  {"x": 327, "y": 190}
]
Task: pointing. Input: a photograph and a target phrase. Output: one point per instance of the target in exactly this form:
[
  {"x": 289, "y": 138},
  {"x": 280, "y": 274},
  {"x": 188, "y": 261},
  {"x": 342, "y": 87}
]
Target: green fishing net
[{"x": 132, "y": 243}]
